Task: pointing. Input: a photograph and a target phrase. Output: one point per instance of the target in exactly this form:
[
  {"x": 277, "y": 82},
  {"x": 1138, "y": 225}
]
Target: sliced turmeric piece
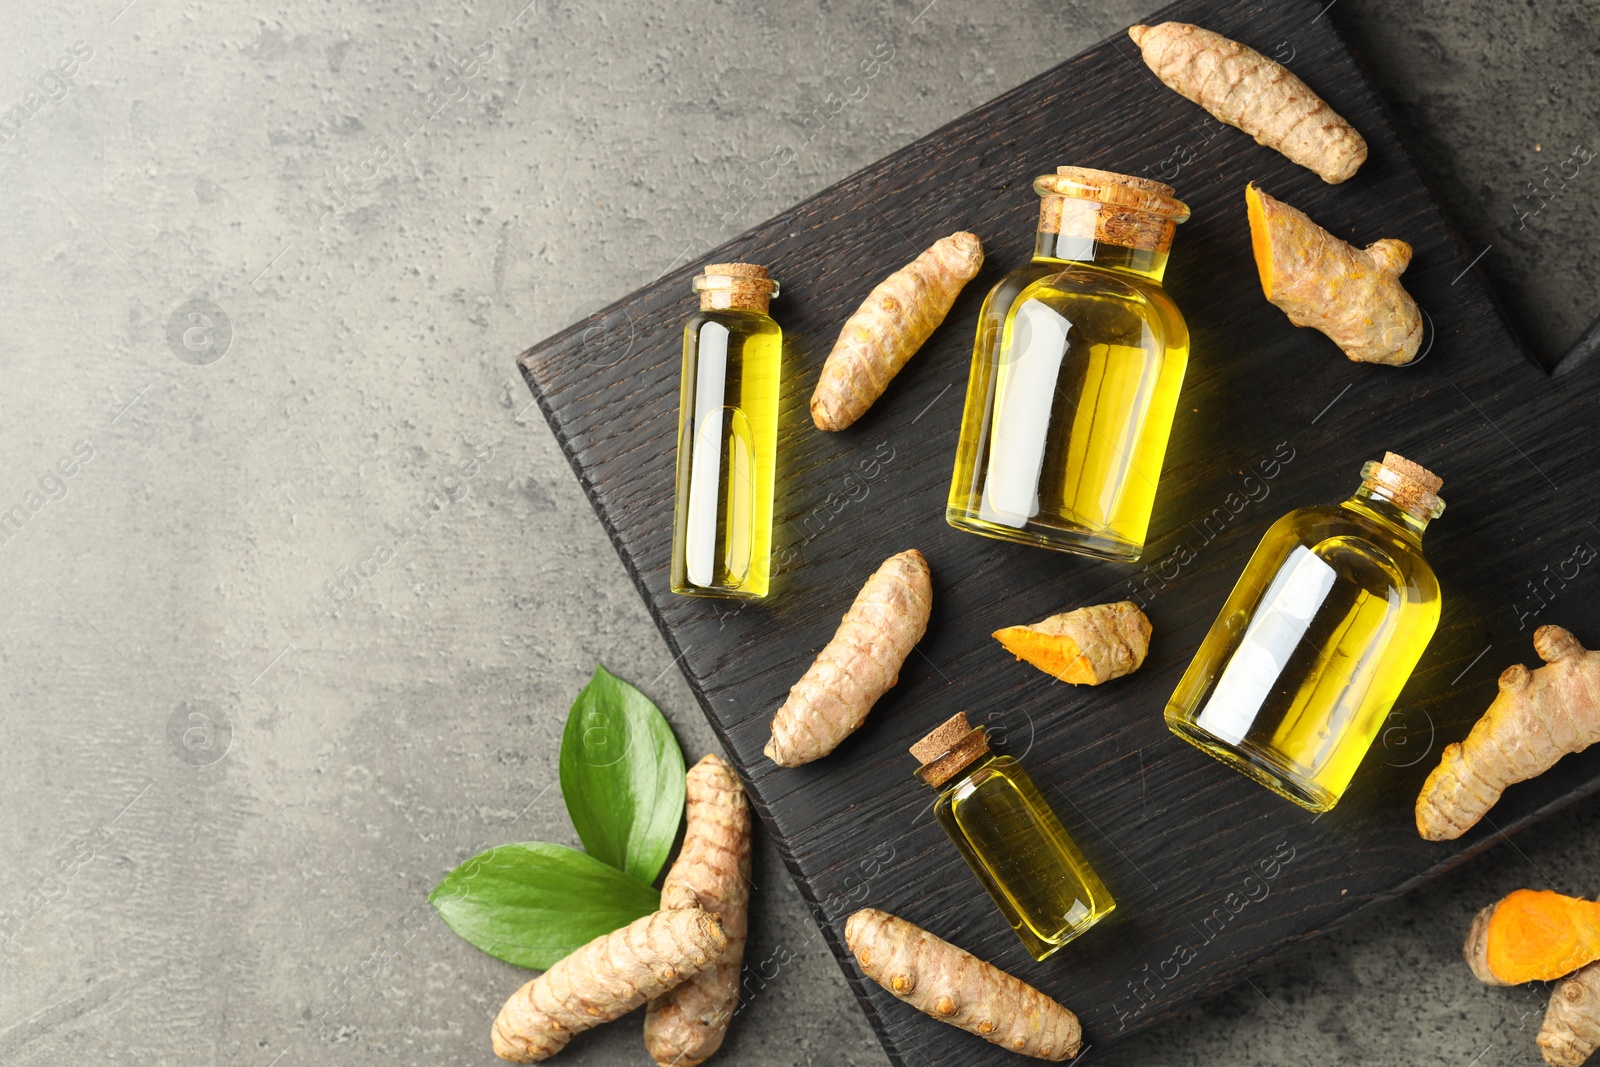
[
  {"x": 686, "y": 1024},
  {"x": 955, "y": 987},
  {"x": 1533, "y": 935},
  {"x": 860, "y": 664},
  {"x": 1537, "y": 717},
  {"x": 1353, "y": 295},
  {"x": 889, "y": 326},
  {"x": 606, "y": 979},
  {"x": 1250, "y": 92},
  {"x": 1085, "y": 646},
  {"x": 1571, "y": 1029}
]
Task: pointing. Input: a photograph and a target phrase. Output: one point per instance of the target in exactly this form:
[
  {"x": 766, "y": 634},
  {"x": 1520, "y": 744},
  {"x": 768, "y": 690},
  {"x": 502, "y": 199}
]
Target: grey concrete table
[{"x": 298, "y": 588}]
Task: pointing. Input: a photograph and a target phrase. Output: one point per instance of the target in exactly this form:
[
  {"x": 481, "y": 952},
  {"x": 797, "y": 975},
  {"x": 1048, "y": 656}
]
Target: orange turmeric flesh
[
  {"x": 1536, "y": 936},
  {"x": 1260, "y": 237},
  {"x": 1058, "y": 657}
]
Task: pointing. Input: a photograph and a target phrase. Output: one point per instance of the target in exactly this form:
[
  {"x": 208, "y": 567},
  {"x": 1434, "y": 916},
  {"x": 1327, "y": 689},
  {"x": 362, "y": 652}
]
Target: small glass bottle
[
  {"x": 1075, "y": 374},
  {"x": 727, "y": 436},
  {"x": 1296, "y": 676},
  {"x": 1010, "y": 837}
]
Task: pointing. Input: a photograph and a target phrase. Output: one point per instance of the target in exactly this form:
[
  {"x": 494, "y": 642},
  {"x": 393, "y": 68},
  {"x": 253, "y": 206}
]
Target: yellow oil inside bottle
[
  {"x": 1019, "y": 850},
  {"x": 727, "y": 454},
  {"x": 1295, "y": 678},
  {"x": 1075, "y": 379}
]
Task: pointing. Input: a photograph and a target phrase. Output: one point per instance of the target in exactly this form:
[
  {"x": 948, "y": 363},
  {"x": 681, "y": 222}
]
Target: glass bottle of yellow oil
[
  {"x": 1075, "y": 374},
  {"x": 1010, "y": 837},
  {"x": 727, "y": 436},
  {"x": 1329, "y": 618}
]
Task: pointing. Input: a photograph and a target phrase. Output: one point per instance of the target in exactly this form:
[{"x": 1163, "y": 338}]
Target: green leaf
[
  {"x": 533, "y": 903},
  {"x": 622, "y": 776}
]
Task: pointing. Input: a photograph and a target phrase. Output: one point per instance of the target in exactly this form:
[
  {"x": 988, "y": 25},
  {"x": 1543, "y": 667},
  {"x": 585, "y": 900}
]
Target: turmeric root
[
  {"x": 956, "y": 987},
  {"x": 1537, "y": 717},
  {"x": 606, "y": 979},
  {"x": 1352, "y": 295},
  {"x": 858, "y": 666},
  {"x": 1533, "y": 935},
  {"x": 889, "y": 327},
  {"x": 686, "y": 1024},
  {"x": 1085, "y": 646},
  {"x": 1245, "y": 89},
  {"x": 1571, "y": 1029},
  {"x": 1543, "y": 935}
]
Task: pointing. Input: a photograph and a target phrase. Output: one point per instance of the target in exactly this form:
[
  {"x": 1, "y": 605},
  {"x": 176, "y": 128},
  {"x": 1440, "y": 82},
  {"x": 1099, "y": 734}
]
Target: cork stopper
[
  {"x": 1410, "y": 486},
  {"x": 949, "y": 750},
  {"x": 1113, "y": 209},
  {"x": 735, "y": 287}
]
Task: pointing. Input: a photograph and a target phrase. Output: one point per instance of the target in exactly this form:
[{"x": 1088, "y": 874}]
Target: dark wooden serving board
[{"x": 1212, "y": 874}]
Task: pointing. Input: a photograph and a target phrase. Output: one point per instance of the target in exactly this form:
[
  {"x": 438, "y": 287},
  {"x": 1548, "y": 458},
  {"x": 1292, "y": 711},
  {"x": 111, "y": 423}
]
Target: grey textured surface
[{"x": 327, "y": 518}]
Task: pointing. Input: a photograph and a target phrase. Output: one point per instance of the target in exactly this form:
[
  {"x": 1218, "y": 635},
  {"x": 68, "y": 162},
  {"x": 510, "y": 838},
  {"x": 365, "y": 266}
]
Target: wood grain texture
[{"x": 1212, "y": 874}]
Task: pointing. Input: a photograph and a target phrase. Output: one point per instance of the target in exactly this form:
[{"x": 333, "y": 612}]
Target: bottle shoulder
[
  {"x": 1138, "y": 298},
  {"x": 1354, "y": 544},
  {"x": 747, "y": 323},
  {"x": 1005, "y": 292}
]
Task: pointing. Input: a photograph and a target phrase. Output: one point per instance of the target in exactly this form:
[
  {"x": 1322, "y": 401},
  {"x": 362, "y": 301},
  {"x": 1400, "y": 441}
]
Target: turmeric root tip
[
  {"x": 1536, "y": 718},
  {"x": 1353, "y": 295},
  {"x": 889, "y": 327},
  {"x": 1533, "y": 936},
  {"x": 1245, "y": 89},
  {"x": 858, "y": 666},
  {"x": 955, "y": 987},
  {"x": 686, "y": 1024},
  {"x": 604, "y": 980},
  {"x": 1571, "y": 1029},
  {"x": 1085, "y": 646}
]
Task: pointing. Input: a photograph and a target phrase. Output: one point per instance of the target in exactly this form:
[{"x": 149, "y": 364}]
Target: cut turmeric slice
[
  {"x": 1086, "y": 646},
  {"x": 1351, "y": 294},
  {"x": 1533, "y": 935}
]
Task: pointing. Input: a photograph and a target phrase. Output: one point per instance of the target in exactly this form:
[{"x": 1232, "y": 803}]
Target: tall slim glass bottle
[
  {"x": 727, "y": 436},
  {"x": 1314, "y": 644},
  {"x": 1075, "y": 374}
]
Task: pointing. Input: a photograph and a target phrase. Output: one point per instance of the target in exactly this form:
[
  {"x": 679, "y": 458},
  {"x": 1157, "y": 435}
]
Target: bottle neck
[
  {"x": 1375, "y": 503},
  {"x": 965, "y": 773},
  {"x": 1063, "y": 248}
]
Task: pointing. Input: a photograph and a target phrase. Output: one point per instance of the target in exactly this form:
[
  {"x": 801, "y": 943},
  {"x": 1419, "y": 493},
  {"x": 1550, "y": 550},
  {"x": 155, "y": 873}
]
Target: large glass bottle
[
  {"x": 1314, "y": 644},
  {"x": 727, "y": 436},
  {"x": 1075, "y": 374},
  {"x": 1010, "y": 837}
]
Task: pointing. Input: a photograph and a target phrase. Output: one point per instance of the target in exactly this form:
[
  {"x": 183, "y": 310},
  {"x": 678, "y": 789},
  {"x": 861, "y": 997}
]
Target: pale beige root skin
[
  {"x": 1476, "y": 948},
  {"x": 1537, "y": 717},
  {"x": 1111, "y": 641},
  {"x": 686, "y": 1024},
  {"x": 606, "y": 979},
  {"x": 858, "y": 666},
  {"x": 1571, "y": 1029},
  {"x": 1353, "y": 295},
  {"x": 1245, "y": 89},
  {"x": 955, "y": 987},
  {"x": 889, "y": 327}
]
